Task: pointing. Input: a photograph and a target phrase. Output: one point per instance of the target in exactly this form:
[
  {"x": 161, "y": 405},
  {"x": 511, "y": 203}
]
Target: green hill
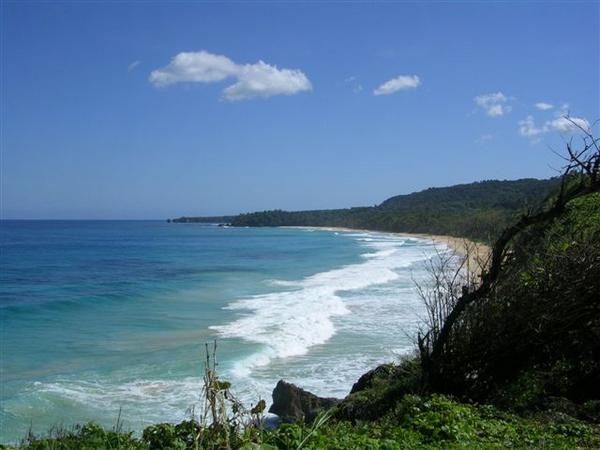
[
  {"x": 512, "y": 194},
  {"x": 476, "y": 210}
]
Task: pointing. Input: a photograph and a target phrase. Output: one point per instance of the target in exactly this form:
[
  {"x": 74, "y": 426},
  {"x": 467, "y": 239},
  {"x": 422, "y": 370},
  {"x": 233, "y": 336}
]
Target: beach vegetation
[{"x": 415, "y": 422}]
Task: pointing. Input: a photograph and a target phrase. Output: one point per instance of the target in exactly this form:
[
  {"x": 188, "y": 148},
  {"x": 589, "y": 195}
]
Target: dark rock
[
  {"x": 293, "y": 404},
  {"x": 367, "y": 380},
  {"x": 377, "y": 392}
]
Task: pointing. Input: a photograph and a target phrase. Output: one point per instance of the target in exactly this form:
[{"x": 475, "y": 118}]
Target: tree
[{"x": 580, "y": 177}]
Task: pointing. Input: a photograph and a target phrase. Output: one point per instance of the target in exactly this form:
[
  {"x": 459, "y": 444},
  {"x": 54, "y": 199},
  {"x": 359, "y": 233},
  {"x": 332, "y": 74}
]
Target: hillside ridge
[{"x": 490, "y": 204}]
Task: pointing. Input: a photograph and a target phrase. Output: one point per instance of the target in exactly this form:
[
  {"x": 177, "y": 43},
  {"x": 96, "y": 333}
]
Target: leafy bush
[
  {"x": 163, "y": 436},
  {"x": 86, "y": 437},
  {"x": 536, "y": 333}
]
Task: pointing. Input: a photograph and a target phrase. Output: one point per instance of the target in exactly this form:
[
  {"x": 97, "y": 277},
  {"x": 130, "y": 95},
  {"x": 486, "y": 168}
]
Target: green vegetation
[
  {"x": 476, "y": 210},
  {"x": 434, "y": 422},
  {"x": 528, "y": 338}
]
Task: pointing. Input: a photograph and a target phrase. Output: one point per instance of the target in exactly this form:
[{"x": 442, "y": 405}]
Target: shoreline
[{"x": 477, "y": 253}]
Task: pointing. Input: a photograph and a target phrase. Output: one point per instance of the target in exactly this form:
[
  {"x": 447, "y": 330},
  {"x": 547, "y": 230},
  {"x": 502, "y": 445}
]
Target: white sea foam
[
  {"x": 154, "y": 400},
  {"x": 291, "y": 322}
]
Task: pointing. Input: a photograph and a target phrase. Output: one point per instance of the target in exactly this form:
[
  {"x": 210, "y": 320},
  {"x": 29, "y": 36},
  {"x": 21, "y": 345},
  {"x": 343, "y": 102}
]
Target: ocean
[{"x": 101, "y": 318}]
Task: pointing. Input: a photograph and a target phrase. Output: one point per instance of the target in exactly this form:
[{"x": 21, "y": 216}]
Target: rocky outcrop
[
  {"x": 384, "y": 372},
  {"x": 378, "y": 391},
  {"x": 293, "y": 404}
]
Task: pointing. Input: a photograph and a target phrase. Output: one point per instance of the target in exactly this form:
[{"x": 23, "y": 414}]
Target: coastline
[{"x": 477, "y": 253}]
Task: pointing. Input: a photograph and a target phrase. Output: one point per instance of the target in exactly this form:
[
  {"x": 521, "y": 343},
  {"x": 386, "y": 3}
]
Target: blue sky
[{"x": 155, "y": 110}]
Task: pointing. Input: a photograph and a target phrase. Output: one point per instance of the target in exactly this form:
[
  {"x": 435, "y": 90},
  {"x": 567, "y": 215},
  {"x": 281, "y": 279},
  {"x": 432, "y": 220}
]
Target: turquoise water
[{"x": 100, "y": 316}]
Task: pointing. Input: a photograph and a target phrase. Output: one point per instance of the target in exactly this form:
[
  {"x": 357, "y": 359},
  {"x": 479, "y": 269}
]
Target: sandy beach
[{"x": 477, "y": 252}]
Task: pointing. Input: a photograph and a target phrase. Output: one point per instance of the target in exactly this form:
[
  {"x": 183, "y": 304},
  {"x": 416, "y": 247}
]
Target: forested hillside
[{"x": 476, "y": 210}]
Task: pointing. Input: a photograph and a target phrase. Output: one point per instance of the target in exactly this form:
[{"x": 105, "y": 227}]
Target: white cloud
[
  {"x": 543, "y": 106},
  {"x": 190, "y": 67},
  {"x": 494, "y": 105},
  {"x": 568, "y": 125},
  {"x": 561, "y": 124},
  {"x": 133, "y": 65},
  {"x": 264, "y": 80},
  {"x": 253, "y": 80},
  {"x": 528, "y": 128},
  {"x": 400, "y": 83}
]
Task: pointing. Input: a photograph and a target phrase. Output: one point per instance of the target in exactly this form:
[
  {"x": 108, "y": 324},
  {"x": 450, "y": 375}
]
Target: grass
[{"x": 434, "y": 422}]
